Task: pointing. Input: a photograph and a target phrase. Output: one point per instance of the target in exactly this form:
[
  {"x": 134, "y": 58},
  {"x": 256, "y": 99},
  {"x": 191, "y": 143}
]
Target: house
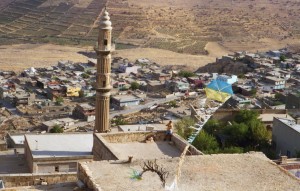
[
  {"x": 54, "y": 91},
  {"x": 225, "y": 78},
  {"x": 160, "y": 76},
  {"x": 128, "y": 68},
  {"x": 84, "y": 111},
  {"x": 154, "y": 86},
  {"x": 286, "y": 135},
  {"x": 276, "y": 83},
  {"x": 71, "y": 91},
  {"x": 62, "y": 122},
  {"x": 23, "y": 98},
  {"x": 178, "y": 86},
  {"x": 54, "y": 153},
  {"x": 125, "y": 100}
]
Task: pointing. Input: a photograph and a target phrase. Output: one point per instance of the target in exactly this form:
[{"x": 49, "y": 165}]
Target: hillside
[{"x": 183, "y": 26}]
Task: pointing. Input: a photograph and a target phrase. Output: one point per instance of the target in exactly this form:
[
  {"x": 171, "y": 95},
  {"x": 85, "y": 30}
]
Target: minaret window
[{"x": 105, "y": 42}]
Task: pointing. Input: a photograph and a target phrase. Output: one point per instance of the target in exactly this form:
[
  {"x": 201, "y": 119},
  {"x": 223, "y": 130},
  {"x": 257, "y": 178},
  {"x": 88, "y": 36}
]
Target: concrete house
[
  {"x": 286, "y": 135},
  {"x": 54, "y": 153},
  {"x": 276, "y": 83},
  {"x": 125, "y": 100}
]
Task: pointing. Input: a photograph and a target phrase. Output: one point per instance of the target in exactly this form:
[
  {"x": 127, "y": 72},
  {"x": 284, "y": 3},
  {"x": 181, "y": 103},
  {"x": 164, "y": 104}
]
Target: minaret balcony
[{"x": 104, "y": 89}]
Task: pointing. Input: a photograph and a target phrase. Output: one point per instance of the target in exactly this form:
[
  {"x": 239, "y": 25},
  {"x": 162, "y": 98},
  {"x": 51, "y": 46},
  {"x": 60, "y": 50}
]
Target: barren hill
[
  {"x": 183, "y": 26},
  {"x": 200, "y": 27}
]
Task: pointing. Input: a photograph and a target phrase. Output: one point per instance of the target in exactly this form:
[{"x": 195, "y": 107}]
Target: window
[
  {"x": 56, "y": 169},
  {"x": 105, "y": 42},
  {"x": 104, "y": 83}
]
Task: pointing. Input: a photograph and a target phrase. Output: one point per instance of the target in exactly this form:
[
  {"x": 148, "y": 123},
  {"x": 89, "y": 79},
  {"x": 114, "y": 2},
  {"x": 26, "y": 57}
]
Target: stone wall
[
  {"x": 180, "y": 143},
  {"x": 15, "y": 180},
  {"x": 85, "y": 175},
  {"x": 133, "y": 136},
  {"x": 3, "y": 146},
  {"x": 229, "y": 114},
  {"x": 101, "y": 150}
]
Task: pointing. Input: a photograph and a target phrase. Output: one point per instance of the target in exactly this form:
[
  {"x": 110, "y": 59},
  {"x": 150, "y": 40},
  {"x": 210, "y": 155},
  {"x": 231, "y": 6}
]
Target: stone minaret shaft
[{"x": 103, "y": 85}]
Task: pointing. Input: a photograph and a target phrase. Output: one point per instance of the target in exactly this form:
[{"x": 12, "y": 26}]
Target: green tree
[
  {"x": 119, "y": 121},
  {"x": 253, "y": 92},
  {"x": 277, "y": 96},
  {"x": 85, "y": 75},
  {"x": 59, "y": 100},
  {"x": 241, "y": 76},
  {"x": 182, "y": 127},
  {"x": 134, "y": 85},
  {"x": 237, "y": 134},
  {"x": 282, "y": 58},
  {"x": 245, "y": 115},
  {"x": 212, "y": 127},
  {"x": 186, "y": 74},
  {"x": 56, "y": 129},
  {"x": 206, "y": 143},
  {"x": 173, "y": 103},
  {"x": 233, "y": 150}
]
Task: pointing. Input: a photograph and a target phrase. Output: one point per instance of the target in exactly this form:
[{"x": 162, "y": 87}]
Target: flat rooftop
[
  {"x": 124, "y": 144},
  {"x": 159, "y": 149},
  {"x": 60, "y": 145},
  {"x": 291, "y": 123},
  {"x": 234, "y": 172},
  {"x": 270, "y": 116},
  {"x": 142, "y": 127}
]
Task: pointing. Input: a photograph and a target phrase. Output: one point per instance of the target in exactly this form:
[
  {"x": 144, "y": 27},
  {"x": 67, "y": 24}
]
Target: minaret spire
[{"x": 103, "y": 85}]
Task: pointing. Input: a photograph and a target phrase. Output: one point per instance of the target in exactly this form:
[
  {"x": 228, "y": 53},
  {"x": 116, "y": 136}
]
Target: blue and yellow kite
[{"x": 218, "y": 90}]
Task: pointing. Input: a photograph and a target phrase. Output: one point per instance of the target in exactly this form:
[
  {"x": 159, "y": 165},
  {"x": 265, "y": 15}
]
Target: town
[{"x": 80, "y": 123}]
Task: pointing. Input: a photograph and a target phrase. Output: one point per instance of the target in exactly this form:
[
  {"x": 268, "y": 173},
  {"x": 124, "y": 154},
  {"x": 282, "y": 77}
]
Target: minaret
[{"x": 103, "y": 87}]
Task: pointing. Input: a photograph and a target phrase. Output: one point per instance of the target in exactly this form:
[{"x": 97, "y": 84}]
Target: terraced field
[
  {"x": 45, "y": 21},
  {"x": 182, "y": 26}
]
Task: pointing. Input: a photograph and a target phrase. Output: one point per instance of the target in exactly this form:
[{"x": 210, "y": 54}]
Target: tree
[
  {"x": 233, "y": 150},
  {"x": 85, "y": 75},
  {"x": 56, "y": 129},
  {"x": 182, "y": 127},
  {"x": 206, "y": 143},
  {"x": 253, "y": 92},
  {"x": 134, "y": 85},
  {"x": 119, "y": 121},
  {"x": 173, "y": 103},
  {"x": 237, "y": 134},
  {"x": 59, "y": 100},
  {"x": 245, "y": 115},
  {"x": 282, "y": 58},
  {"x": 212, "y": 127},
  {"x": 186, "y": 74}
]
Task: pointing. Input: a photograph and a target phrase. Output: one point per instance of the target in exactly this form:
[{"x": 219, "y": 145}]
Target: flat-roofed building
[
  {"x": 50, "y": 153},
  {"x": 118, "y": 146},
  {"x": 286, "y": 135},
  {"x": 234, "y": 172},
  {"x": 125, "y": 100}
]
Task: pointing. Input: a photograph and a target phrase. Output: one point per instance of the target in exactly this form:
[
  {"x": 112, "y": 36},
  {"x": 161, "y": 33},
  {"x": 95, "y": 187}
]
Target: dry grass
[
  {"x": 165, "y": 57},
  {"x": 22, "y": 56}
]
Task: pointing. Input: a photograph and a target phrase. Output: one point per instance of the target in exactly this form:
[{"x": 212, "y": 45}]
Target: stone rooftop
[
  {"x": 118, "y": 146},
  {"x": 234, "y": 172}
]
